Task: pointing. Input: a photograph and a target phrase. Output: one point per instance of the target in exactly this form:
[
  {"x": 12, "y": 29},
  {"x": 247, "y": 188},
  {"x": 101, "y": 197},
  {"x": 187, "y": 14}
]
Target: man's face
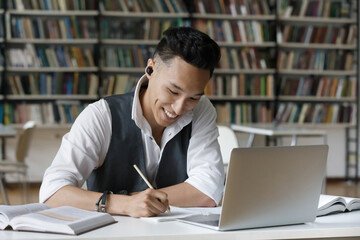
[{"x": 174, "y": 89}]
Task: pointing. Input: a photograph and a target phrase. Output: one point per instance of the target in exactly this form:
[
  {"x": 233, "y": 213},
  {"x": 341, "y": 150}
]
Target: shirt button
[{"x": 151, "y": 138}]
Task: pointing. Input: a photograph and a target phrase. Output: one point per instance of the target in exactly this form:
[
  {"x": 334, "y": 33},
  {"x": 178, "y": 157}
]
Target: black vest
[{"x": 117, "y": 173}]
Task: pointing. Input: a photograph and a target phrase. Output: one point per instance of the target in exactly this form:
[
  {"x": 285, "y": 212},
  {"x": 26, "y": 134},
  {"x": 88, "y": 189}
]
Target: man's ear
[{"x": 149, "y": 68}]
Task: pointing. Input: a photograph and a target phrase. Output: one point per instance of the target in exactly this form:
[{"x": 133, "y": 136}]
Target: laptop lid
[{"x": 270, "y": 186}]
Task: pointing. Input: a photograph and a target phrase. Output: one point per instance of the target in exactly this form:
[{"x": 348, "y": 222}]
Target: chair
[
  {"x": 227, "y": 141},
  {"x": 18, "y": 165}
]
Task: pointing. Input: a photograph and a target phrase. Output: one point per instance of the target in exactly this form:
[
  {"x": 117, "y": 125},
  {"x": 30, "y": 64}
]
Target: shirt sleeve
[
  {"x": 205, "y": 166},
  {"x": 82, "y": 149}
]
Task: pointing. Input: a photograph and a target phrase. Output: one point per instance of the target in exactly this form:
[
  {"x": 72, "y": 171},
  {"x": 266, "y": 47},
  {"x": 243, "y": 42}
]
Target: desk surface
[
  {"x": 333, "y": 226},
  {"x": 273, "y": 130},
  {"x": 7, "y": 131}
]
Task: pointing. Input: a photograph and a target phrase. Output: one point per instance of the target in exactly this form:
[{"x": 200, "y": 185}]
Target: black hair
[{"x": 193, "y": 46}]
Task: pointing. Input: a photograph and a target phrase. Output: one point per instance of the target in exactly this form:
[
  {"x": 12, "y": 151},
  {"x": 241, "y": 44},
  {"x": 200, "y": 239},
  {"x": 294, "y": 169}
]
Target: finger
[
  {"x": 161, "y": 196},
  {"x": 158, "y": 201}
]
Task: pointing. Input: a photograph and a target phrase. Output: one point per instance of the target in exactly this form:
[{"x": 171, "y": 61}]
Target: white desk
[
  {"x": 328, "y": 227},
  {"x": 271, "y": 130}
]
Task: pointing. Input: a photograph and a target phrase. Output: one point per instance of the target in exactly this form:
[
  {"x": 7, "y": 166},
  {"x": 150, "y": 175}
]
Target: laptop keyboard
[
  {"x": 212, "y": 219},
  {"x": 214, "y": 223}
]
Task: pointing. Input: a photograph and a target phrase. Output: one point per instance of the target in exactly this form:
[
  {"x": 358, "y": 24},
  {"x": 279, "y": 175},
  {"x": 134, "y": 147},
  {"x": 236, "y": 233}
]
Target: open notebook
[{"x": 269, "y": 186}]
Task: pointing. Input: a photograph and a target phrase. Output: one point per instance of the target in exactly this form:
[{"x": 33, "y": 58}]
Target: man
[{"x": 167, "y": 127}]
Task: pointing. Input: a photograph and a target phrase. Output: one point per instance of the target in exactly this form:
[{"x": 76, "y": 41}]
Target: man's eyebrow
[{"x": 182, "y": 90}]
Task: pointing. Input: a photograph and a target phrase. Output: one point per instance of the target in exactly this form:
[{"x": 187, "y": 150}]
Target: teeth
[{"x": 170, "y": 115}]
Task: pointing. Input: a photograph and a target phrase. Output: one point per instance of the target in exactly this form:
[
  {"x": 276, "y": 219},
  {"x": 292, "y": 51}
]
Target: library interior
[{"x": 288, "y": 76}]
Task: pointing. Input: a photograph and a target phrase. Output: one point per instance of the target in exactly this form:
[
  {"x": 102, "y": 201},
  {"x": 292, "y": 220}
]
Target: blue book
[
  {"x": 70, "y": 85},
  {"x": 35, "y": 28},
  {"x": 54, "y": 83},
  {"x": 1, "y": 113},
  {"x": 60, "y": 54},
  {"x": 19, "y": 28},
  {"x": 56, "y": 112},
  {"x": 68, "y": 28},
  {"x": 68, "y": 113},
  {"x": 46, "y": 4},
  {"x": 43, "y": 84},
  {"x": 42, "y": 56}
]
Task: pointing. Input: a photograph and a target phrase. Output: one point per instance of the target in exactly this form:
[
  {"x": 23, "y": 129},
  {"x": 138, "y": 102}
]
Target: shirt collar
[{"x": 142, "y": 123}]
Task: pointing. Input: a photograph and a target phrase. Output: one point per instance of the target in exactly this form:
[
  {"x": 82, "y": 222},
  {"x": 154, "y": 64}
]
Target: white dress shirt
[{"x": 85, "y": 146}]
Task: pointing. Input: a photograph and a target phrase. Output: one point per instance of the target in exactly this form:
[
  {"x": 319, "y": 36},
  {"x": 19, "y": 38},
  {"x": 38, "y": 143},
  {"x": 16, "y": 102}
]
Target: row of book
[
  {"x": 49, "y": 56},
  {"x": 231, "y": 58},
  {"x": 332, "y": 34},
  {"x": 242, "y": 113},
  {"x": 234, "y": 7},
  {"x": 222, "y": 31},
  {"x": 53, "y": 84},
  {"x": 319, "y": 86},
  {"x": 316, "y": 59},
  {"x": 160, "y": 6},
  {"x": 316, "y": 113},
  {"x": 56, "y": 5},
  {"x": 239, "y": 113},
  {"x": 240, "y": 85},
  {"x": 148, "y": 28},
  {"x": 117, "y": 84},
  {"x": 316, "y": 8},
  {"x": 235, "y": 31},
  {"x": 54, "y": 28},
  {"x": 245, "y": 58},
  {"x": 60, "y": 112},
  {"x": 135, "y": 56}
]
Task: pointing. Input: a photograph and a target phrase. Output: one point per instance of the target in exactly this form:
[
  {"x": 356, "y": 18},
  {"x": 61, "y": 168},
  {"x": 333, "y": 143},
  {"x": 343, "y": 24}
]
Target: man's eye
[{"x": 172, "y": 92}]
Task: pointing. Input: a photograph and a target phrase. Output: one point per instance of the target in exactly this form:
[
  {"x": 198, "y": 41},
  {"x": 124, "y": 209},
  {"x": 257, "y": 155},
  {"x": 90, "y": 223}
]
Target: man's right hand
[{"x": 147, "y": 203}]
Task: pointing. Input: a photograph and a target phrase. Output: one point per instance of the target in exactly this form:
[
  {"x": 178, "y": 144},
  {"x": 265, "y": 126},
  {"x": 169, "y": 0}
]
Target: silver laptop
[{"x": 269, "y": 186}]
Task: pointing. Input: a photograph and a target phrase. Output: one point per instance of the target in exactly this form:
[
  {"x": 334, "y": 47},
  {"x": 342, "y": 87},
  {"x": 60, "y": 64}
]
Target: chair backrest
[
  {"x": 227, "y": 141},
  {"x": 24, "y": 140}
]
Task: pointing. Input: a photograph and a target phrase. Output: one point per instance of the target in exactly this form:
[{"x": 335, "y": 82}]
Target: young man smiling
[{"x": 166, "y": 126}]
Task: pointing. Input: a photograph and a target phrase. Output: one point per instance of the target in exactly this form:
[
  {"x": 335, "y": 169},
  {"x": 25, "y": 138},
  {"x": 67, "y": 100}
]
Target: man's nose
[{"x": 179, "y": 106}]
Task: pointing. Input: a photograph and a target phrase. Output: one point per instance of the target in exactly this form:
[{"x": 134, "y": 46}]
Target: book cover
[{"x": 39, "y": 217}]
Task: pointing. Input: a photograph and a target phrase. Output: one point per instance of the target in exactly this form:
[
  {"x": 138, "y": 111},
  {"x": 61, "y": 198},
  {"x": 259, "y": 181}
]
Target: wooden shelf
[
  {"x": 316, "y": 72},
  {"x": 244, "y": 71},
  {"x": 53, "y": 40},
  {"x": 240, "y": 98},
  {"x": 52, "y": 69},
  {"x": 317, "y": 20},
  {"x": 316, "y": 99},
  {"x": 231, "y": 17},
  {"x": 142, "y": 15},
  {"x": 52, "y": 97},
  {"x": 324, "y": 46},
  {"x": 53, "y": 13}
]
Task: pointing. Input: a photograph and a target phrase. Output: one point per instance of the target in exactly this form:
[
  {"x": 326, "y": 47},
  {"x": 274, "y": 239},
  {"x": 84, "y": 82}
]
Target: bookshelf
[
  {"x": 316, "y": 64},
  {"x": 128, "y": 36},
  {"x": 242, "y": 88},
  {"x": 318, "y": 68},
  {"x": 286, "y": 60},
  {"x": 51, "y": 74},
  {"x": 266, "y": 47}
]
